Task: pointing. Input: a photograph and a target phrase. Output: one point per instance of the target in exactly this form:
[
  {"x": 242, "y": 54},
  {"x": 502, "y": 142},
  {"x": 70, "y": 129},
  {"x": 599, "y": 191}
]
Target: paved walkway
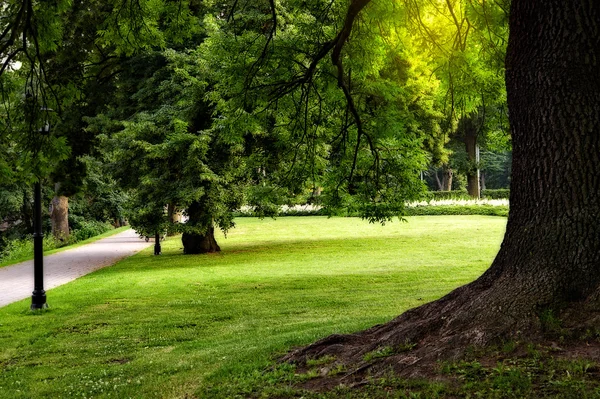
[{"x": 16, "y": 281}]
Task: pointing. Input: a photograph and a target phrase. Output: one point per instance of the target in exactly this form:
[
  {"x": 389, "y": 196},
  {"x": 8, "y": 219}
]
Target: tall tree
[
  {"x": 156, "y": 141},
  {"x": 550, "y": 258},
  {"x": 356, "y": 127}
]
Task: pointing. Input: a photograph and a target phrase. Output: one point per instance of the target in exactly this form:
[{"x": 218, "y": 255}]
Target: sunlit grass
[{"x": 166, "y": 326}]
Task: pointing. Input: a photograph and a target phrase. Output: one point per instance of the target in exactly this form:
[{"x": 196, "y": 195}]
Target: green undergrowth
[
  {"x": 430, "y": 209},
  {"x": 174, "y": 326},
  {"x": 487, "y": 210},
  {"x": 502, "y": 193},
  {"x": 22, "y": 250}
]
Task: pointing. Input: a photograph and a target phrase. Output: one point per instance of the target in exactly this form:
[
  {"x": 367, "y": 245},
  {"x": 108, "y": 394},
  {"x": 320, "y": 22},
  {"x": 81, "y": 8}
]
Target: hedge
[{"x": 502, "y": 193}]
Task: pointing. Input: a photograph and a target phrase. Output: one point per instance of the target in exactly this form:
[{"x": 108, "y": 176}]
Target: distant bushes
[
  {"x": 462, "y": 206},
  {"x": 431, "y": 210},
  {"x": 82, "y": 229},
  {"x": 446, "y": 195},
  {"x": 296, "y": 210},
  {"x": 20, "y": 249},
  {"x": 88, "y": 229},
  {"x": 502, "y": 193}
]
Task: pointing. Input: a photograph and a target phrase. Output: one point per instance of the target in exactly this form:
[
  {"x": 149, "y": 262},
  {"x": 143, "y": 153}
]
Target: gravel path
[{"x": 16, "y": 281}]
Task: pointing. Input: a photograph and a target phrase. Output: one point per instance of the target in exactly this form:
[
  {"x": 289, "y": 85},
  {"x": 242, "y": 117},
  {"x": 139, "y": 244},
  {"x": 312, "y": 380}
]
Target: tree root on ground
[{"x": 412, "y": 345}]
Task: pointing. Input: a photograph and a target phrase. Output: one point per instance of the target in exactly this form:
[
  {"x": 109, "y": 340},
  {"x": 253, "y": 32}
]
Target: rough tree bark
[
  {"x": 194, "y": 243},
  {"x": 550, "y": 257},
  {"x": 59, "y": 216}
]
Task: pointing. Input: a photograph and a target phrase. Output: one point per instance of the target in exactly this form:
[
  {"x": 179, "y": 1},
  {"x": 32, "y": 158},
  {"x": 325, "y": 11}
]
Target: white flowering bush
[
  {"x": 492, "y": 207},
  {"x": 460, "y": 202}
]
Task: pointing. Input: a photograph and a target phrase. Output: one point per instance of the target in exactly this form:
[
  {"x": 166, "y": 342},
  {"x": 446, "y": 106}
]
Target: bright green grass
[
  {"x": 27, "y": 254},
  {"x": 170, "y": 325}
]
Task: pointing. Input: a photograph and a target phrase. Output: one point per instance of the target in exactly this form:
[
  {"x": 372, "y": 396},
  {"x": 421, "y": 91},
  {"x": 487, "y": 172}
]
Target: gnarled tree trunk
[
  {"x": 550, "y": 257},
  {"x": 194, "y": 243},
  {"x": 200, "y": 243}
]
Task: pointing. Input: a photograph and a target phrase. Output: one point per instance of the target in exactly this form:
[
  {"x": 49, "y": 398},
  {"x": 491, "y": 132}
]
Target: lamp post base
[
  {"x": 157, "y": 249},
  {"x": 38, "y": 300}
]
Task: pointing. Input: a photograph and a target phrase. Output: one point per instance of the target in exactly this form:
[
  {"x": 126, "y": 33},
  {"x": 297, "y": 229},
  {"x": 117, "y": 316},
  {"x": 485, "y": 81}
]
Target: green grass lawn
[{"x": 172, "y": 325}]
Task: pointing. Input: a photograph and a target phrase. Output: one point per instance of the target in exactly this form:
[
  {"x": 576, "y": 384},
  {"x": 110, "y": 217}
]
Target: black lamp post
[
  {"x": 38, "y": 297},
  {"x": 157, "y": 249}
]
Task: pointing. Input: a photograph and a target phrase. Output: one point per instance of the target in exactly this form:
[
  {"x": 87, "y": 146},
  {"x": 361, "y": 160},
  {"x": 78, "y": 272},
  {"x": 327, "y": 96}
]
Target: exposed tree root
[{"x": 473, "y": 316}]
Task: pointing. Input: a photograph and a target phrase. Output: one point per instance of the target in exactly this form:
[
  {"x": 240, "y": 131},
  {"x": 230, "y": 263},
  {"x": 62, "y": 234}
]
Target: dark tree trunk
[
  {"x": 59, "y": 216},
  {"x": 200, "y": 243},
  {"x": 469, "y": 131},
  {"x": 550, "y": 257},
  {"x": 194, "y": 243}
]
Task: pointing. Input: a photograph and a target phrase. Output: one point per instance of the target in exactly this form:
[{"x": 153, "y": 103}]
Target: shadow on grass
[{"x": 172, "y": 258}]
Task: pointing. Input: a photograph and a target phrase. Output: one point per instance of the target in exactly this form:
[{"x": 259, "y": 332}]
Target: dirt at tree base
[
  {"x": 413, "y": 346},
  {"x": 587, "y": 352}
]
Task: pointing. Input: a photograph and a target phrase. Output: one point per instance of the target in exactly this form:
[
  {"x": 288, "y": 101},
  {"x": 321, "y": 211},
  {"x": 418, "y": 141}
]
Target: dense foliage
[{"x": 201, "y": 107}]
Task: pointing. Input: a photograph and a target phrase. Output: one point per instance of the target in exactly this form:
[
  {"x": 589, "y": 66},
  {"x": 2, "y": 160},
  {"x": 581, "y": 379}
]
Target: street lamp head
[{"x": 45, "y": 130}]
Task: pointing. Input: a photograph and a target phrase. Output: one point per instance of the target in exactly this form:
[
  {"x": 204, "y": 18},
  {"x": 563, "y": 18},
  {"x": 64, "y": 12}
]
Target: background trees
[
  {"x": 206, "y": 107},
  {"x": 467, "y": 41}
]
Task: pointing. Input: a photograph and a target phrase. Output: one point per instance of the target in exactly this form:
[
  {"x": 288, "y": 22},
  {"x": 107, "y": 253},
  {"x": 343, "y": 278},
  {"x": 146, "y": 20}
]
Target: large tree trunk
[
  {"x": 59, "y": 216},
  {"x": 549, "y": 260},
  {"x": 194, "y": 243},
  {"x": 200, "y": 243}
]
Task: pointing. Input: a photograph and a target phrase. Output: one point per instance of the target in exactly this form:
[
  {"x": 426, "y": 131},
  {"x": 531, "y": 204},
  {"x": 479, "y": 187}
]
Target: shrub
[
  {"x": 87, "y": 229},
  {"x": 486, "y": 210},
  {"x": 446, "y": 195},
  {"x": 295, "y": 210},
  {"x": 501, "y": 193},
  {"x": 20, "y": 249}
]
